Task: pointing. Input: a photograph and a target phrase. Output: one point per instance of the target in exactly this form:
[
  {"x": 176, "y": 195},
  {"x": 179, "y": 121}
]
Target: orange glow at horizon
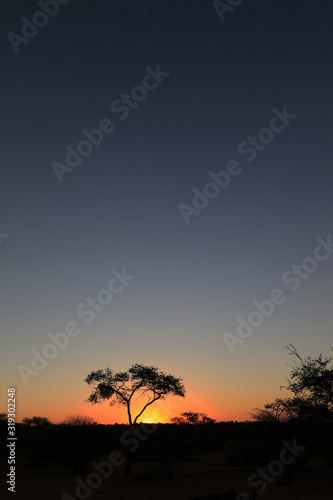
[
  {"x": 162, "y": 411},
  {"x": 221, "y": 402}
]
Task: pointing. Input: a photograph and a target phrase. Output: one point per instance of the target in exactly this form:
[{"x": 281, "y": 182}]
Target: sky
[{"x": 206, "y": 180}]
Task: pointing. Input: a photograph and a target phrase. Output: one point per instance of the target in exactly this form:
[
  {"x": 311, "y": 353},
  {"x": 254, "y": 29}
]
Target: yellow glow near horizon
[{"x": 148, "y": 420}]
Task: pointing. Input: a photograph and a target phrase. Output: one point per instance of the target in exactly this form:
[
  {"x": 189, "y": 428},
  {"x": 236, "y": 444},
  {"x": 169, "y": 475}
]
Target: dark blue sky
[{"x": 120, "y": 206}]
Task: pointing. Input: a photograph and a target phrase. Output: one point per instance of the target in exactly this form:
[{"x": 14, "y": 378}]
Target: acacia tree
[
  {"x": 311, "y": 383},
  {"x": 194, "y": 418},
  {"x": 123, "y": 387},
  {"x": 36, "y": 421}
]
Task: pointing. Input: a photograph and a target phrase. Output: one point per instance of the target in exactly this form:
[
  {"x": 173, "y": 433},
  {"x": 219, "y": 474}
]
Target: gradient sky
[{"x": 119, "y": 207}]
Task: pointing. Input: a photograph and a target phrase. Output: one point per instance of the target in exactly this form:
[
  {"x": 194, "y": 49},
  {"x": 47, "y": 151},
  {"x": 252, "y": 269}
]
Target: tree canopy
[
  {"x": 194, "y": 418},
  {"x": 311, "y": 383},
  {"x": 121, "y": 388},
  {"x": 36, "y": 421}
]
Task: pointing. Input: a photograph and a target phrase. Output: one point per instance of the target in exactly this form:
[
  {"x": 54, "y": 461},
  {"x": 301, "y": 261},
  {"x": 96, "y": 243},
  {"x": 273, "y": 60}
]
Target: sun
[{"x": 148, "y": 420}]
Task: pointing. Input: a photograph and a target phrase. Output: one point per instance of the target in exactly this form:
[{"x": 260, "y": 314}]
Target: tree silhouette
[
  {"x": 36, "y": 421},
  {"x": 194, "y": 418},
  {"x": 140, "y": 380},
  {"x": 311, "y": 382},
  {"x": 79, "y": 420}
]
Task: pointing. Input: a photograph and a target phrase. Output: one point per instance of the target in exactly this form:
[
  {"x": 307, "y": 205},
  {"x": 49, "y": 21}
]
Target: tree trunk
[{"x": 129, "y": 413}]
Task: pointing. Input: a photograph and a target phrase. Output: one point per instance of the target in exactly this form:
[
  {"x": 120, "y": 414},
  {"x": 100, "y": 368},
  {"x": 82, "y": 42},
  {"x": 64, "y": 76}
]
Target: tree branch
[{"x": 145, "y": 407}]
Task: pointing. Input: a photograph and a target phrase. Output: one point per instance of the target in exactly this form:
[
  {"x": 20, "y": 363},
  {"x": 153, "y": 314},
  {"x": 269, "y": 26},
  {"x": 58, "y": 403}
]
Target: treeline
[{"x": 242, "y": 443}]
